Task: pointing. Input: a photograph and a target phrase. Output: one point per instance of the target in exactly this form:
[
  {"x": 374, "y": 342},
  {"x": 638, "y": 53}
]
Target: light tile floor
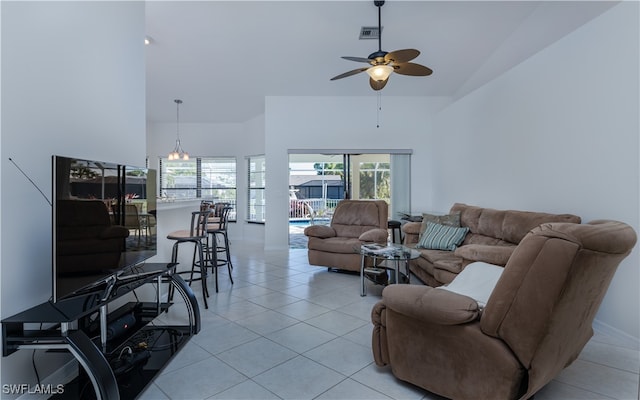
[{"x": 288, "y": 330}]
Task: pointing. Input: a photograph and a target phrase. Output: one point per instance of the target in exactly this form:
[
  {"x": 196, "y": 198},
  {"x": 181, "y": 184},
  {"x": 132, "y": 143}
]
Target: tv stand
[{"x": 107, "y": 362}]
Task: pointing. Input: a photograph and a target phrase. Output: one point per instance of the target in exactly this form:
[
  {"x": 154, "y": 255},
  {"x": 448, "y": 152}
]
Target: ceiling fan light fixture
[{"x": 380, "y": 73}]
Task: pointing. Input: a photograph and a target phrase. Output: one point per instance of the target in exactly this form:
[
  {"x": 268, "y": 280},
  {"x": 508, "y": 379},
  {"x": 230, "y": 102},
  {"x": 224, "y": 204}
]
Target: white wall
[
  {"x": 72, "y": 84},
  {"x": 238, "y": 140},
  {"x": 558, "y": 133},
  {"x": 340, "y": 123},
  {"x": 196, "y": 139}
]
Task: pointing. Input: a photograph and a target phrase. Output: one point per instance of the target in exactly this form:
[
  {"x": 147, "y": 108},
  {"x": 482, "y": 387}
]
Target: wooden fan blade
[
  {"x": 358, "y": 59},
  {"x": 401, "y": 56},
  {"x": 349, "y": 73},
  {"x": 377, "y": 85},
  {"x": 412, "y": 69}
]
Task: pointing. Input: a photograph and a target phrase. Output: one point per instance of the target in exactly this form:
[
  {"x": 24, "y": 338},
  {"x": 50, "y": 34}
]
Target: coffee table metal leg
[
  {"x": 363, "y": 289},
  {"x": 407, "y": 271},
  {"x": 397, "y": 278}
]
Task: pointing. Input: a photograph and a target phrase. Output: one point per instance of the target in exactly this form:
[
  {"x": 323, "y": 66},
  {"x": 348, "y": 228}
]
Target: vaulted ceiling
[{"x": 223, "y": 57}]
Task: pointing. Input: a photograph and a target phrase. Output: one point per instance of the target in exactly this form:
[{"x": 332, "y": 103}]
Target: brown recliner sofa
[
  {"x": 535, "y": 323},
  {"x": 354, "y": 222},
  {"x": 492, "y": 237}
]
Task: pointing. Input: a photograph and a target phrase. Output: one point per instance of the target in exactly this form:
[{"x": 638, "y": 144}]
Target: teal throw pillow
[{"x": 442, "y": 237}]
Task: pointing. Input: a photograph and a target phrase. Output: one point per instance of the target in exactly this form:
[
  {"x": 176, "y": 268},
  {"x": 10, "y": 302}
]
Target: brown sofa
[
  {"x": 354, "y": 222},
  {"x": 492, "y": 237},
  {"x": 535, "y": 323}
]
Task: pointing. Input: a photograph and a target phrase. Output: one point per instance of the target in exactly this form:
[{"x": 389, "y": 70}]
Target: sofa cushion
[
  {"x": 505, "y": 225},
  {"x": 476, "y": 238},
  {"x": 375, "y": 235},
  {"x": 342, "y": 245},
  {"x": 443, "y": 276},
  {"x": 498, "y": 255},
  {"x": 452, "y": 219},
  {"x": 454, "y": 265},
  {"x": 435, "y": 255},
  {"x": 442, "y": 237}
]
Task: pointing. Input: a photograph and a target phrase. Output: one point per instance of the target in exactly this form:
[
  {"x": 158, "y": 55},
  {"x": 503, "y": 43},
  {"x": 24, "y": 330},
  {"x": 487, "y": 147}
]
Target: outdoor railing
[{"x": 311, "y": 208}]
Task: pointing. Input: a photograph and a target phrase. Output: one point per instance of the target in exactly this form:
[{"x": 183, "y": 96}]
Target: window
[
  {"x": 255, "y": 191},
  {"x": 178, "y": 179},
  {"x": 206, "y": 178},
  {"x": 218, "y": 179}
]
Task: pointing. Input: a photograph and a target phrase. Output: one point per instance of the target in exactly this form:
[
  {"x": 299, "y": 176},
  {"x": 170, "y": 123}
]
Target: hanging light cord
[
  {"x": 379, "y": 108},
  {"x": 178, "y": 152},
  {"x": 178, "y": 102}
]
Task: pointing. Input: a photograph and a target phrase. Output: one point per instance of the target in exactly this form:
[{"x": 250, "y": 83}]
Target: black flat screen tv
[{"x": 104, "y": 222}]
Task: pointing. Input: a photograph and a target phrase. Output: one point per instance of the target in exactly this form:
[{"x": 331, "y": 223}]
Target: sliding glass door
[{"x": 318, "y": 180}]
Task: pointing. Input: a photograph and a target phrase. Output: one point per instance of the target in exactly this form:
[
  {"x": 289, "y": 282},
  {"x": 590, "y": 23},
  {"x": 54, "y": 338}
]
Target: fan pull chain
[{"x": 379, "y": 106}]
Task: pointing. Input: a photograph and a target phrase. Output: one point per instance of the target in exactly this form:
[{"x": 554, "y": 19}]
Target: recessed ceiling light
[{"x": 147, "y": 40}]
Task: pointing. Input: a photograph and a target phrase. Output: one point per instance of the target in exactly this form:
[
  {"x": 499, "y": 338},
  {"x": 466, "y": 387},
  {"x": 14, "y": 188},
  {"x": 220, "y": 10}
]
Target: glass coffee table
[{"x": 392, "y": 257}]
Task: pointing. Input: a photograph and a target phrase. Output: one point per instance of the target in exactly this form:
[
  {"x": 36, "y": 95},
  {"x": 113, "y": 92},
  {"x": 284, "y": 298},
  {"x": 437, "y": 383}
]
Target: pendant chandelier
[{"x": 178, "y": 153}]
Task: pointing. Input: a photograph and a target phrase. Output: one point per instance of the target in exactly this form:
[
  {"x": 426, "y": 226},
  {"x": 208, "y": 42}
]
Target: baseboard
[
  {"x": 64, "y": 374},
  {"x": 625, "y": 339}
]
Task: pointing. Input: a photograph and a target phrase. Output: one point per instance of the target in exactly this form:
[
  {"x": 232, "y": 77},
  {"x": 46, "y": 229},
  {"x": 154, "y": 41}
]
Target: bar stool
[
  {"x": 217, "y": 212},
  {"x": 395, "y": 225},
  {"x": 215, "y": 229},
  {"x": 206, "y": 205},
  {"x": 197, "y": 234}
]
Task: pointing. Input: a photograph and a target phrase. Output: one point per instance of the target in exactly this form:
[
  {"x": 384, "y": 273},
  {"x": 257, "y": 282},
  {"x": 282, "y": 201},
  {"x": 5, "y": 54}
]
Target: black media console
[{"x": 119, "y": 351}]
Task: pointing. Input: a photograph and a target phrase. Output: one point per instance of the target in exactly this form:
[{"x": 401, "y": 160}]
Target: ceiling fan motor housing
[{"x": 378, "y": 56}]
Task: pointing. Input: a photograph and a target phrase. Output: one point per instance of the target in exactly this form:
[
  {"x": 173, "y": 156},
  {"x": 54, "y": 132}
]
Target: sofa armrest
[
  {"x": 497, "y": 255},
  {"x": 411, "y": 232},
  {"x": 431, "y": 305},
  {"x": 412, "y": 228},
  {"x": 320, "y": 231},
  {"x": 376, "y": 235}
]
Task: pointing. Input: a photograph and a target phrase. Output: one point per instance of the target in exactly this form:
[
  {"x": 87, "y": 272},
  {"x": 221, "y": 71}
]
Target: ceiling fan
[{"x": 384, "y": 63}]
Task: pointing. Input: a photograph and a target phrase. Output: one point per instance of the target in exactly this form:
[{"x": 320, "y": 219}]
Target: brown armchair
[
  {"x": 354, "y": 222},
  {"x": 536, "y": 321}
]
